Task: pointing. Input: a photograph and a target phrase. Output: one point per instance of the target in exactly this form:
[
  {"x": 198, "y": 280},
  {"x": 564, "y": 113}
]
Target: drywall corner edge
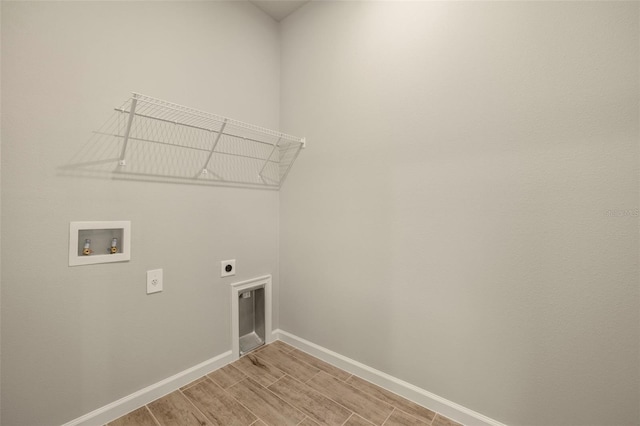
[{"x": 413, "y": 393}]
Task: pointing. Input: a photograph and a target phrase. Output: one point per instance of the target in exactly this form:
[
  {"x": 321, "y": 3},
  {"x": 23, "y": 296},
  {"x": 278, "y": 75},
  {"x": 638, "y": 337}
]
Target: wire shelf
[{"x": 159, "y": 138}]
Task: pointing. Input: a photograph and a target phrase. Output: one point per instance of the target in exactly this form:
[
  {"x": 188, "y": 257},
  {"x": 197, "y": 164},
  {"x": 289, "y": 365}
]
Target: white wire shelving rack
[{"x": 162, "y": 139}]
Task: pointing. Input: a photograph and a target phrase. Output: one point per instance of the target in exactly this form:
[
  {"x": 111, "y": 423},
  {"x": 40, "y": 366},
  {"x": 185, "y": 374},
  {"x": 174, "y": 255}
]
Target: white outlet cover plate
[
  {"x": 154, "y": 281},
  {"x": 223, "y": 268}
]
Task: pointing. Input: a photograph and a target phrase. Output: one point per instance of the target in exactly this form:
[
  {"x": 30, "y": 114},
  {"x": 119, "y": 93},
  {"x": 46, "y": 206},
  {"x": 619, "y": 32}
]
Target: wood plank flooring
[{"x": 278, "y": 385}]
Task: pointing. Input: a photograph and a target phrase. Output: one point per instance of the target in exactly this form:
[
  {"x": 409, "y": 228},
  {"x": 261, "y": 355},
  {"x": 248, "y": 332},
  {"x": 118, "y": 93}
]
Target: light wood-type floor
[{"x": 279, "y": 385}]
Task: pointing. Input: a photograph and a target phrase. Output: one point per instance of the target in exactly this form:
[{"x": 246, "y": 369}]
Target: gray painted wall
[
  {"x": 0, "y": 219},
  {"x": 75, "y": 339},
  {"x": 459, "y": 220},
  {"x": 465, "y": 215}
]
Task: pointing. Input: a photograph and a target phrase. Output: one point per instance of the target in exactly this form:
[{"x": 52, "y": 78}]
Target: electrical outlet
[
  {"x": 227, "y": 268},
  {"x": 154, "y": 281}
]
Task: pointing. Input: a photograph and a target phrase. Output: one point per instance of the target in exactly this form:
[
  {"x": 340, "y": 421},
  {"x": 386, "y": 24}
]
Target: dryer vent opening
[
  {"x": 250, "y": 315},
  {"x": 251, "y": 321}
]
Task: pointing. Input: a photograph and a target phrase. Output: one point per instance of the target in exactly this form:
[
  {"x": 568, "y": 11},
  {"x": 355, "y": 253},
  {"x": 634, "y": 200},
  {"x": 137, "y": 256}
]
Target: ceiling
[{"x": 279, "y": 9}]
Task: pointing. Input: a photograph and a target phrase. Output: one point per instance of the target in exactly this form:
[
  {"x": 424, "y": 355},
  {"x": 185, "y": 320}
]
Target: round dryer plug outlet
[{"x": 227, "y": 268}]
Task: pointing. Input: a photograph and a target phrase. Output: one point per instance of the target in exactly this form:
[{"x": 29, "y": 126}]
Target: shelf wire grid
[{"x": 149, "y": 137}]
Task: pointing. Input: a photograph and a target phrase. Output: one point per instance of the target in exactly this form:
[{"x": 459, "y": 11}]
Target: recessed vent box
[
  {"x": 250, "y": 315},
  {"x": 251, "y": 319}
]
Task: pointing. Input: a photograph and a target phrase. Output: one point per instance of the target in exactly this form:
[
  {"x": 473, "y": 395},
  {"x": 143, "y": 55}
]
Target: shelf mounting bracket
[
  {"x": 132, "y": 113},
  {"x": 204, "y": 168},
  {"x": 269, "y": 157}
]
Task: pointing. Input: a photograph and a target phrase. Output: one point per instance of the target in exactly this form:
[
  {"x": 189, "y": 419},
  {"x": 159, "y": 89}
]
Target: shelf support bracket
[
  {"x": 269, "y": 157},
  {"x": 132, "y": 112},
  {"x": 204, "y": 168}
]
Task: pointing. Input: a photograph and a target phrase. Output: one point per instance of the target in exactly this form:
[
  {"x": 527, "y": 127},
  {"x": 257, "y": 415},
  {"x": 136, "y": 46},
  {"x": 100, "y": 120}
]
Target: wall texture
[
  {"x": 75, "y": 339},
  {"x": 465, "y": 215}
]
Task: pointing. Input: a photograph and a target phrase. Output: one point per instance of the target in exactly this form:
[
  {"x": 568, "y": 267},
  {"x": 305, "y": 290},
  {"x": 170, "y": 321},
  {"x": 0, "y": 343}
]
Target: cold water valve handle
[
  {"x": 87, "y": 247},
  {"x": 114, "y": 246}
]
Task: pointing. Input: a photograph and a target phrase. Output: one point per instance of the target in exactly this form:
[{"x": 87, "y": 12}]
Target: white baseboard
[
  {"x": 413, "y": 393},
  {"x": 144, "y": 396}
]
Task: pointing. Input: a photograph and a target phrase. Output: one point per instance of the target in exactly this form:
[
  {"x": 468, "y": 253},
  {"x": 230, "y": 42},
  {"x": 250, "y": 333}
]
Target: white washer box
[{"x": 101, "y": 234}]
